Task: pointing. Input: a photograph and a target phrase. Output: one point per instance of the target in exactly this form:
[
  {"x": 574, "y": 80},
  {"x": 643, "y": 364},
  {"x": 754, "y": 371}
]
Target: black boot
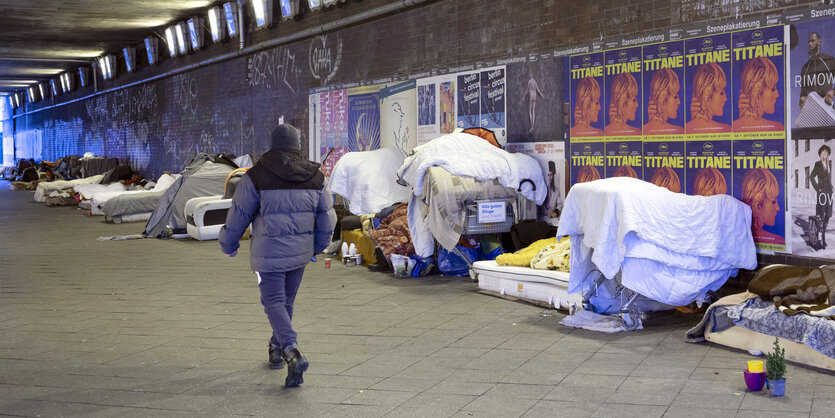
[
  {"x": 276, "y": 357},
  {"x": 296, "y": 366}
]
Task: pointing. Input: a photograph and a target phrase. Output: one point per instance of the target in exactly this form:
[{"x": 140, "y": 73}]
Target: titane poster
[
  {"x": 622, "y": 113},
  {"x": 708, "y": 87},
  {"x": 588, "y": 151},
  {"x": 759, "y": 183},
  {"x": 758, "y": 83}
]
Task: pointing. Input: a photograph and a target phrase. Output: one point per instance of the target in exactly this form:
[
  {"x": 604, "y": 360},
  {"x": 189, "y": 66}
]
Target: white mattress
[
  {"x": 526, "y": 283},
  {"x": 746, "y": 339}
]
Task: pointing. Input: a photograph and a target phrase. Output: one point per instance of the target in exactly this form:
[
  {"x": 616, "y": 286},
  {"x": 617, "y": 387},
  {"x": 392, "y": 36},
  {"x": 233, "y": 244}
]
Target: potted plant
[{"x": 775, "y": 369}]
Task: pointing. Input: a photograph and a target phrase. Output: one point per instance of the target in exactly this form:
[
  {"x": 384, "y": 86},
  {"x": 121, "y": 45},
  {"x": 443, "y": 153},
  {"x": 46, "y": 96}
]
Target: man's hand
[{"x": 233, "y": 253}]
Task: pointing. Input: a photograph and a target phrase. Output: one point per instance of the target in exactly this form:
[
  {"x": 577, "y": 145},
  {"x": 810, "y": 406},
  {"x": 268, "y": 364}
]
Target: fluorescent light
[
  {"x": 84, "y": 76},
  {"x": 231, "y": 11},
  {"x": 195, "y": 32},
  {"x": 171, "y": 41},
  {"x": 130, "y": 58},
  {"x": 55, "y": 90},
  {"x": 215, "y": 25},
  {"x": 32, "y": 94},
  {"x": 289, "y": 8},
  {"x": 180, "y": 31},
  {"x": 44, "y": 90},
  {"x": 152, "y": 48},
  {"x": 314, "y": 4},
  {"x": 263, "y": 12}
]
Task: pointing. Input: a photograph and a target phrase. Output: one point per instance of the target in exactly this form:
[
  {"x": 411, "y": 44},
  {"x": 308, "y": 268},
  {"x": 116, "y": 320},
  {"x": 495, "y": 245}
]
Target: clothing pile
[{"x": 392, "y": 235}]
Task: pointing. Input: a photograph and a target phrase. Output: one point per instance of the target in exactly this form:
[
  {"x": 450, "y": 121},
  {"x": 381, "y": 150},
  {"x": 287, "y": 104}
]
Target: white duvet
[
  {"x": 368, "y": 180},
  {"x": 670, "y": 247},
  {"x": 45, "y": 188},
  {"x": 468, "y": 155},
  {"x": 97, "y": 200}
]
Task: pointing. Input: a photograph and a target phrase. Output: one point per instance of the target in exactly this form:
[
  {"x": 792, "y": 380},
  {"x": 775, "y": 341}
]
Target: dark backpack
[{"x": 527, "y": 232}]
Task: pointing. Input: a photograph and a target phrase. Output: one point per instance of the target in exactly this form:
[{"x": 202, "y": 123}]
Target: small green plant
[{"x": 775, "y": 363}]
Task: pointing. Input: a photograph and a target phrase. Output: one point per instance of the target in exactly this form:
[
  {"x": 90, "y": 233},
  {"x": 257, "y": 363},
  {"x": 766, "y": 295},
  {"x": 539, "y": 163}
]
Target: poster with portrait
[
  {"x": 469, "y": 100},
  {"x": 663, "y": 91},
  {"x": 551, "y": 157},
  {"x": 428, "y": 118},
  {"x": 707, "y": 87},
  {"x": 624, "y": 159},
  {"x": 586, "y": 96},
  {"x": 709, "y": 167},
  {"x": 759, "y": 182},
  {"x": 535, "y": 100},
  {"x": 587, "y": 161},
  {"x": 812, "y": 78},
  {"x": 364, "y": 118},
  {"x": 810, "y": 190},
  {"x": 622, "y": 103},
  {"x": 493, "y": 101},
  {"x": 758, "y": 83},
  {"x": 664, "y": 163},
  {"x": 398, "y": 116}
]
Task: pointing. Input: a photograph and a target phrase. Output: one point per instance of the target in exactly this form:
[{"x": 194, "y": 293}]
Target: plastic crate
[{"x": 473, "y": 227}]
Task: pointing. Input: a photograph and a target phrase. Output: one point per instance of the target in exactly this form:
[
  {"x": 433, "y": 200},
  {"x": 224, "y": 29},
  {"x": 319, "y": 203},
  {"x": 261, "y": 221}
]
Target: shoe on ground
[
  {"x": 296, "y": 366},
  {"x": 276, "y": 357}
]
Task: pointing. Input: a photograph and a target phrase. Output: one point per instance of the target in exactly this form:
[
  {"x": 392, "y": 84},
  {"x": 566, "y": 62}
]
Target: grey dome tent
[{"x": 205, "y": 175}]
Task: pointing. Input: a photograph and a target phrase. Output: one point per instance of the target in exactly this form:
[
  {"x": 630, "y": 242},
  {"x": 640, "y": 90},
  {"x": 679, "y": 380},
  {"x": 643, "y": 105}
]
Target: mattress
[
  {"x": 746, "y": 339},
  {"x": 45, "y": 188},
  {"x": 546, "y": 286},
  {"x": 131, "y": 203}
]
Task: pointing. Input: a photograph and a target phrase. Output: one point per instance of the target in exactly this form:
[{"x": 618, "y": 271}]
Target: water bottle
[
  {"x": 352, "y": 249},
  {"x": 344, "y": 249}
]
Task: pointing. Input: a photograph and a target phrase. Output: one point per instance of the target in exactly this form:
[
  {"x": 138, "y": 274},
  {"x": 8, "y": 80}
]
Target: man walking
[{"x": 285, "y": 198}]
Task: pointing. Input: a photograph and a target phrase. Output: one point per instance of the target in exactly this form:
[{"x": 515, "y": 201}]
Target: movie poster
[
  {"x": 535, "y": 100},
  {"x": 709, "y": 167},
  {"x": 364, "y": 118},
  {"x": 663, "y": 92},
  {"x": 446, "y": 103},
  {"x": 493, "y": 100},
  {"x": 551, "y": 157},
  {"x": 758, "y": 83},
  {"x": 810, "y": 186},
  {"x": 622, "y": 104},
  {"x": 469, "y": 109},
  {"x": 428, "y": 119},
  {"x": 812, "y": 79},
  {"x": 664, "y": 163},
  {"x": 707, "y": 87},
  {"x": 588, "y": 161},
  {"x": 759, "y": 179},
  {"x": 398, "y": 116},
  {"x": 586, "y": 100},
  {"x": 624, "y": 159}
]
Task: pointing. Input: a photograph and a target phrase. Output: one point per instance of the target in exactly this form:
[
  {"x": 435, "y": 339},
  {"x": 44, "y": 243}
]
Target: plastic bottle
[
  {"x": 344, "y": 249},
  {"x": 352, "y": 249}
]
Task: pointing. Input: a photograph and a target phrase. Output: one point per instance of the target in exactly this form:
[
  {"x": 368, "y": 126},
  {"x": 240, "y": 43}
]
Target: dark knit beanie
[{"x": 285, "y": 136}]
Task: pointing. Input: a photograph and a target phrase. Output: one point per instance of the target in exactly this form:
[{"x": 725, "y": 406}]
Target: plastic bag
[{"x": 451, "y": 264}]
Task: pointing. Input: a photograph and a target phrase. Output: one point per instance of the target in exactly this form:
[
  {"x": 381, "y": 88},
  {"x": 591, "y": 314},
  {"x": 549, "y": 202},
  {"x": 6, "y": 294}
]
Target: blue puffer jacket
[{"x": 285, "y": 198}]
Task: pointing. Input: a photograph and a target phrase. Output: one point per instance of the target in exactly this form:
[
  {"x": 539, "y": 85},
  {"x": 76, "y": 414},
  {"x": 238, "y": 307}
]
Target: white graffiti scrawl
[
  {"x": 273, "y": 69},
  {"x": 325, "y": 57},
  {"x": 185, "y": 92}
]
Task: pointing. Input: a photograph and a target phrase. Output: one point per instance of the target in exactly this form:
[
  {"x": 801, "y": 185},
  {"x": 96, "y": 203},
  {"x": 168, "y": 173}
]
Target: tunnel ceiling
[{"x": 39, "y": 39}]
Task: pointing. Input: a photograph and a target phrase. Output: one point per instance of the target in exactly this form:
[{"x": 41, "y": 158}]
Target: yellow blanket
[
  {"x": 553, "y": 256},
  {"x": 523, "y": 257}
]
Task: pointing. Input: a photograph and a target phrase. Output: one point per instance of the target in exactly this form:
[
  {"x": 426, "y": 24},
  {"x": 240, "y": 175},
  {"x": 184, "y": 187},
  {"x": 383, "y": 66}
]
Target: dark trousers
[
  {"x": 823, "y": 209},
  {"x": 278, "y": 292}
]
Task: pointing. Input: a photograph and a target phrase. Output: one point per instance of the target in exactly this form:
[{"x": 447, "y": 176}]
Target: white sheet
[
  {"x": 468, "y": 155},
  {"x": 44, "y": 188},
  {"x": 368, "y": 180},
  {"x": 671, "y": 247},
  {"x": 87, "y": 191},
  {"x": 97, "y": 200}
]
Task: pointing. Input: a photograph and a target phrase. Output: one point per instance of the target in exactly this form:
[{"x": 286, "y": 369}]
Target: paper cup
[
  {"x": 755, "y": 366},
  {"x": 327, "y": 263}
]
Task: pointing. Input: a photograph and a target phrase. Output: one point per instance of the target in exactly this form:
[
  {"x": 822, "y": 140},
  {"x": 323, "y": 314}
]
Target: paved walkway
[{"x": 174, "y": 328}]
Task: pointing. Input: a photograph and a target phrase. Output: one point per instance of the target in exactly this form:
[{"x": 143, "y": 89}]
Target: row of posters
[{"x": 701, "y": 116}]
